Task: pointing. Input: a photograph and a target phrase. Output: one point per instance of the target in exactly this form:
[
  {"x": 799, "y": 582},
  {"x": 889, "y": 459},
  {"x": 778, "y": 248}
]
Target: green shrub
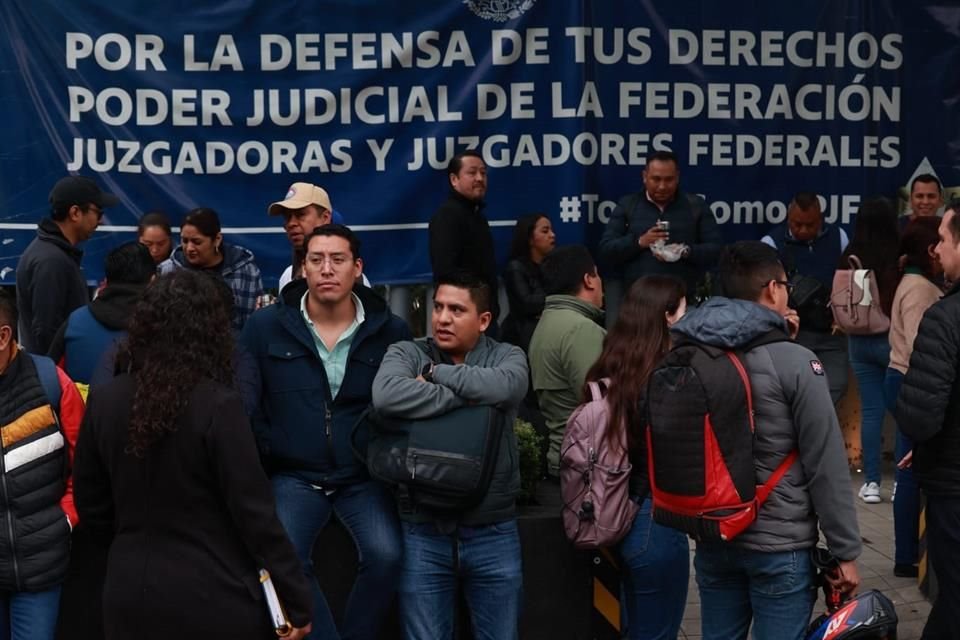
[{"x": 528, "y": 443}]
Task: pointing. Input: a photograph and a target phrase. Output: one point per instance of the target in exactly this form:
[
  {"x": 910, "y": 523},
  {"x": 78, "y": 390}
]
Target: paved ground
[{"x": 876, "y": 572}]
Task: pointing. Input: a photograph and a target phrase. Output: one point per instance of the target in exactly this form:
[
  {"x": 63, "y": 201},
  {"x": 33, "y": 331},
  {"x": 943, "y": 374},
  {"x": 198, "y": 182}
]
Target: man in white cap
[{"x": 305, "y": 207}]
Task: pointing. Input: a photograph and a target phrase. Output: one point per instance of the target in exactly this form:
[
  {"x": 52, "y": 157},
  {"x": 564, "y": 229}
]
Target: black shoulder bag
[
  {"x": 440, "y": 464},
  {"x": 809, "y": 297}
]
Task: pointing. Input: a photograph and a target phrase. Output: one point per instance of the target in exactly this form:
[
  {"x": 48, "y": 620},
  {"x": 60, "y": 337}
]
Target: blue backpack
[{"x": 47, "y": 372}]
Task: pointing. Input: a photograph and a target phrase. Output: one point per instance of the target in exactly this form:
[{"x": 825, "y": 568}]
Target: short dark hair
[
  {"x": 522, "y": 233},
  {"x": 745, "y": 267},
  {"x": 204, "y": 219},
  {"x": 479, "y": 290},
  {"x": 663, "y": 156},
  {"x": 154, "y": 219},
  {"x": 456, "y": 162},
  {"x": 564, "y": 267},
  {"x": 8, "y": 310},
  {"x": 805, "y": 200},
  {"x": 927, "y": 178},
  {"x": 130, "y": 263},
  {"x": 954, "y": 225},
  {"x": 334, "y": 230},
  {"x": 59, "y": 211}
]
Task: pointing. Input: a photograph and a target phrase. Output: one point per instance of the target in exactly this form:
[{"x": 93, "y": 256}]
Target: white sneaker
[{"x": 870, "y": 493}]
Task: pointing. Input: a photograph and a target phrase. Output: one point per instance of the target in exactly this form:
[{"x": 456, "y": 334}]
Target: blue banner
[{"x": 224, "y": 104}]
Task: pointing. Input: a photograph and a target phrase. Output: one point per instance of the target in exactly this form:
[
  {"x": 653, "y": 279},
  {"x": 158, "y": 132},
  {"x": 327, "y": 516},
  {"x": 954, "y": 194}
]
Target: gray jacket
[
  {"x": 792, "y": 410},
  {"x": 493, "y": 373}
]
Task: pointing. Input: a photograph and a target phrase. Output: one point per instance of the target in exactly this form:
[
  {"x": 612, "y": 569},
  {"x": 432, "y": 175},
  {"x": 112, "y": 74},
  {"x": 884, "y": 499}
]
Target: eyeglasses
[
  {"x": 783, "y": 283},
  {"x": 336, "y": 260},
  {"x": 95, "y": 209}
]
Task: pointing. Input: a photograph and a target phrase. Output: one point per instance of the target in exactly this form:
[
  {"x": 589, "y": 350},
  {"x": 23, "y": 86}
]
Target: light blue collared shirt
[{"x": 334, "y": 360}]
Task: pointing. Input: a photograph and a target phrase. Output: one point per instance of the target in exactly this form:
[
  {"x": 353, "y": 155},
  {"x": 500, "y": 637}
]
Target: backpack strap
[
  {"x": 47, "y": 372},
  {"x": 598, "y": 388},
  {"x": 432, "y": 351},
  {"x": 770, "y": 337},
  {"x": 764, "y": 490}
]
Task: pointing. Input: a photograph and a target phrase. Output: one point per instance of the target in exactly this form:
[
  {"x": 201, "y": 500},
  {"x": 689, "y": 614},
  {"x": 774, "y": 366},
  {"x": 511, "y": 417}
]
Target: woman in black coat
[
  {"x": 166, "y": 464},
  {"x": 533, "y": 239}
]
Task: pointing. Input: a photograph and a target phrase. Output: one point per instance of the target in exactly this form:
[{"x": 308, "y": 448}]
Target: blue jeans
[
  {"x": 29, "y": 616},
  {"x": 487, "y": 565},
  {"x": 776, "y": 591},
  {"x": 869, "y": 357},
  {"x": 369, "y": 515},
  {"x": 906, "y": 508},
  {"x": 656, "y": 570}
]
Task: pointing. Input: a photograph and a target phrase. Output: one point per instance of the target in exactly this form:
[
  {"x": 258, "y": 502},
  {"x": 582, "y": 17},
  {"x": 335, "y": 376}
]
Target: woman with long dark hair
[
  {"x": 166, "y": 465},
  {"x": 533, "y": 239},
  {"x": 654, "y": 559},
  {"x": 202, "y": 247},
  {"x": 876, "y": 240},
  {"x": 918, "y": 290}
]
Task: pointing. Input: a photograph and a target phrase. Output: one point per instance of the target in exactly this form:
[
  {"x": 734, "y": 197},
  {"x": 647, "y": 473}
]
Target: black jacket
[
  {"x": 691, "y": 223},
  {"x": 49, "y": 286},
  {"x": 524, "y": 285},
  {"x": 460, "y": 240},
  {"x": 192, "y": 521},
  {"x": 928, "y": 407}
]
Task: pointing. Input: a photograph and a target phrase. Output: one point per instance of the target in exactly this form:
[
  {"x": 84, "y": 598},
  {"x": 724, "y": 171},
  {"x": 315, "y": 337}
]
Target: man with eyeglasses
[
  {"x": 764, "y": 577},
  {"x": 305, "y": 207},
  {"x": 50, "y": 284},
  {"x": 810, "y": 252},
  {"x": 318, "y": 350}
]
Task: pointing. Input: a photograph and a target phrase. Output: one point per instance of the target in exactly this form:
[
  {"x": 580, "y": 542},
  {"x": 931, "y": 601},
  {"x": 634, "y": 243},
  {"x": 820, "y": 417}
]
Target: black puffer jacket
[
  {"x": 34, "y": 533},
  {"x": 928, "y": 408}
]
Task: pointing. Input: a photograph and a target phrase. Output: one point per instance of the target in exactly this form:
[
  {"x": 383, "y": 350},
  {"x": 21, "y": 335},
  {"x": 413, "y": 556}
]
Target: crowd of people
[{"x": 221, "y": 433}]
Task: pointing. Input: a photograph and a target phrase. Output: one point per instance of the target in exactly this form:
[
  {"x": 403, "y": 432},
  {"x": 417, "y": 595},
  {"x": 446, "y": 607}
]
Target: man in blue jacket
[
  {"x": 91, "y": 330},
  {"x": 318, "y": 350}
]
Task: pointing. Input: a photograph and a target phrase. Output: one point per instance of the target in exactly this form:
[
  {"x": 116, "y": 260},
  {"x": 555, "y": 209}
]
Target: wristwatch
[{"x": 427, "y": 372}]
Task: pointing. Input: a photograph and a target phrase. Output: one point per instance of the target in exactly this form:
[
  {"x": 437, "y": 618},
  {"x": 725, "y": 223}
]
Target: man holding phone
[{"x": 662, "y": 230}]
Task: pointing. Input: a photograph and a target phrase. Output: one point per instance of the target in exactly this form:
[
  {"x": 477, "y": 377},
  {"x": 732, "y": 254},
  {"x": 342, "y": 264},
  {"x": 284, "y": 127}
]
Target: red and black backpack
[{"x": 700, "y": 441}]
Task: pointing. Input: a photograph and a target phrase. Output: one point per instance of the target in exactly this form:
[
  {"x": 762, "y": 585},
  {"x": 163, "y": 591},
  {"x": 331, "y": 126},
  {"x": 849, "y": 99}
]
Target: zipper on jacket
[
  {"x": 328, "y": 418},
  {"x": 6, "y": 504}
]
